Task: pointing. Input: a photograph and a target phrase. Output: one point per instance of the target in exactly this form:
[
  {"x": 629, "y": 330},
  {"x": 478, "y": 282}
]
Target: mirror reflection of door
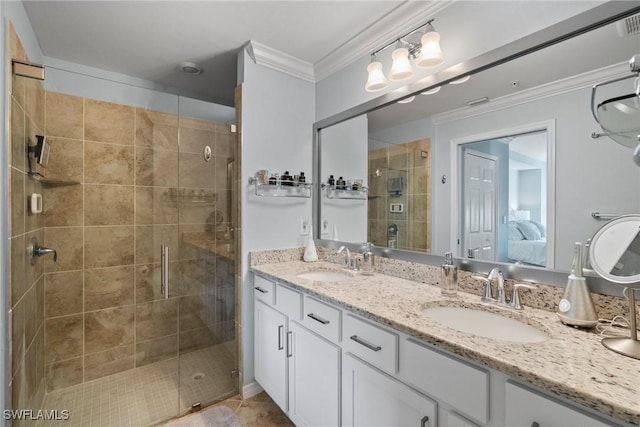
[
  {"x": 503, "y": 198},
  {"x": 479, "y": 204}
]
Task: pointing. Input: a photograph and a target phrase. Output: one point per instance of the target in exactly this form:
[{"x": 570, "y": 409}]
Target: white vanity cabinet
[
  {"x": 373, "y": 398},
  {"x": 298, "y": 368},
  {"x": 528, "y": 408}
]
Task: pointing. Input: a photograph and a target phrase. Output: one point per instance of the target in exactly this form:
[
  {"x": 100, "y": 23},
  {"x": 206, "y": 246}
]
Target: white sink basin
[
  {"x": 325, "y": 276},
  {"x": 486, "y": 324}
]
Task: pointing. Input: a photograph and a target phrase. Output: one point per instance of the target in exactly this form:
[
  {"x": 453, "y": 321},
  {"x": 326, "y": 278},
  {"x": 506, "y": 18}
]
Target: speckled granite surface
[{"x": 572, "y": 363}]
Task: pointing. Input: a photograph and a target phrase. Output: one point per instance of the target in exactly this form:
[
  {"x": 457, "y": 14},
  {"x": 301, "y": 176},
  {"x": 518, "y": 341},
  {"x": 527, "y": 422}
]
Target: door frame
[
  {"x": 549, "y": 127},
  {"x": 496, "y": 161}
]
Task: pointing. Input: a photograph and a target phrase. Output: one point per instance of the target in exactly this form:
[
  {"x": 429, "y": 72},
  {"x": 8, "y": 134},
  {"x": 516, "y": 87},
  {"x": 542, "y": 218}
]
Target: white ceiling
[{"x": 147, "y": 39}]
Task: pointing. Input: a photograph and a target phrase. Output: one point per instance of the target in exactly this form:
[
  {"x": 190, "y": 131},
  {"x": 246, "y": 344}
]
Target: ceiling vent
[{"x": 629, "y": 26}]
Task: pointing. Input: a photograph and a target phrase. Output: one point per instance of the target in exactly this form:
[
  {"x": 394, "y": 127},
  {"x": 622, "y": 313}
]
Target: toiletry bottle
[
  {"x": 340, "y": 184},
  {"x": 286, "y": 178},
  {"x": 331, "y": 181},
  {"x": 302, "y": 178},
  {"x": 310, "y": 252},
  {"x": 366, "y": 267},
  {"x": 576, "y": 306},
  {"x": 448, "y": 277}
]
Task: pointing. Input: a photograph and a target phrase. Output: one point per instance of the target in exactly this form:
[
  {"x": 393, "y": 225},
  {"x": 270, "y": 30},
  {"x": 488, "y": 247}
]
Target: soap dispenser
[
  {"x": 576, "y": 306},
  {"x": 366, "y": 268},
  {"x": 448, "y": 277}
]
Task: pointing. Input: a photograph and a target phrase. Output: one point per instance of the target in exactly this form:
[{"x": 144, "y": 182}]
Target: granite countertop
[{"x": 572, "y": 363}]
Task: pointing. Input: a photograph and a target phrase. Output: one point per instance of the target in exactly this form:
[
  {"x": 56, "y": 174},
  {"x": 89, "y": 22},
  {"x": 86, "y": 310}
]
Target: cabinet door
[
  {"x": 270, "y": 352},
  {"x": 314, "y": 379},
  {"x": 525, "y": 408},
  {"x": 372, "y": 398}
]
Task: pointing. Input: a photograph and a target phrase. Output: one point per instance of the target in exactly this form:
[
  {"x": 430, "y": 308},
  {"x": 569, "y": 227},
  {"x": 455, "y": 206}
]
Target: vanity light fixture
[
  {"x": 421, "y": 44},
  {"x": 406, "y": 100}
]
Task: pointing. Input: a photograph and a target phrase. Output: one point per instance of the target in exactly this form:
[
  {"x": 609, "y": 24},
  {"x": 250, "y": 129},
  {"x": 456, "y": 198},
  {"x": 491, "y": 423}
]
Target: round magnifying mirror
[{"x": 615, "y": 255}]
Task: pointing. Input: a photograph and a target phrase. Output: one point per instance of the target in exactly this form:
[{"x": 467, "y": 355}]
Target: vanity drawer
[
  {"x": 289, "y": 302},
  {"x": 370, "y": 342},
  {"x": 322, "y": 318},
  {"x": 461, "y": 385},
  {"x": 263, "y": 289}
]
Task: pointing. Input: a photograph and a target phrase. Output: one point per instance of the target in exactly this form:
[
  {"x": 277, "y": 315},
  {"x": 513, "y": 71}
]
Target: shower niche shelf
[
  {"x": 53, "y": 182},
  {"x": 302, "y": 189},
  {"x": 332, "y": 192}
]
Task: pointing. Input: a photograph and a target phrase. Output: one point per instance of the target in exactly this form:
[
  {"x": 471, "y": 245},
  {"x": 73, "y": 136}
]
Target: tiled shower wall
[
  {"x": 411, "y": 162},
  {"x": 26, "y": 288},
  {"x": 121, "y": 186}
]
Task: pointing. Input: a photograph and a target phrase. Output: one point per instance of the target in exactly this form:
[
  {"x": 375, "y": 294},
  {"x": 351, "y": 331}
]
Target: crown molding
[
  {"x": 400, "y": 20},
  {"x": 558, "y": 87},
  {"x": 280, "y": 61}
]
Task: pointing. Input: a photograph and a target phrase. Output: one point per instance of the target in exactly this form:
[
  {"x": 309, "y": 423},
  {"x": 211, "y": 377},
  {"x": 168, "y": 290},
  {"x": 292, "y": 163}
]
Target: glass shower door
[{"x": 207, "y": 345}]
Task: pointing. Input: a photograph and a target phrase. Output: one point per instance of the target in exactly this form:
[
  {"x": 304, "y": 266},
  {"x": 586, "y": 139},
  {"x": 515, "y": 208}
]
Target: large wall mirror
[{"x": 502, "y": 167}]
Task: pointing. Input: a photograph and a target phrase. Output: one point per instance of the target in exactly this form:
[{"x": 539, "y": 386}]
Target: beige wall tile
[
  {"x": 156, "y": 205},
  {"x": 17, "y": 335},
  {"x": 63, "y": 205},
  {"x": 156, "y": 130},
  {"x": 63, "y": 293},
  {"x": 18, "y": 136},
  {"x": 108, "y": 246},
  {"x": 108, "y": 164},
  {"x": 67, "y": 241},
  {"x": 150, "y": 238},
  {"x": 225, "y": 143},
  {"x": 34, "y": 310},
  {"x": 17, "y": 202},
  {"x": 108, "y": 122},
  {"x": 194, "y": 140},
  {"x": 196, "y": 339},
  {"x": 64, "y": 116},
  {"x": 156, "y": 350},
  {"x": 147, "y": 282},
  {"x": 156, "y": 167},
  {"x": 196, "y": 172},
  {"x": 34, "y": 102},
  {"x": 156, "y": 319},
  {"x": 108, "y": 362},
  {"x": 64, "y": 374},
  {"x": 65, "y": 160},
  {"x": 109, "y": 328},
  {"x": 192, "y": 311},
  {"x": 63, "y": 337},
  {"x": 195, "y": 276},
  {"x": 108, "y": 205},
  {"x": 30, "y": 364},
  {"x": 16, "y": 51},
  {"x": 222, "y": 179},
  {"x": 108, "y": 287},
  {"x": 18, "y": 268}
]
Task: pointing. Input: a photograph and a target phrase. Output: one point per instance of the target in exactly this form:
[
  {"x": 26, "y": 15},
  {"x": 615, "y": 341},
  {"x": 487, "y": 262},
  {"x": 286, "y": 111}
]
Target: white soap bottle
[{"x": 310, "y": 252}]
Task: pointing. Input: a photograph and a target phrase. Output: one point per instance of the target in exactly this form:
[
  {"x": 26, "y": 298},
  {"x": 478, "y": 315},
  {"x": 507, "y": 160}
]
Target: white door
[
  {"x": 372, "y": 398},
  {"x": 270, "y": 352},
  {"x": 314, "y": 379},
  {"x": 479, "y": 201}
]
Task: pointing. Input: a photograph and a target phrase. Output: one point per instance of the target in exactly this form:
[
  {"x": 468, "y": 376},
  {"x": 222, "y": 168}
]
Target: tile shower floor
[{"x": 148, "y": 395}]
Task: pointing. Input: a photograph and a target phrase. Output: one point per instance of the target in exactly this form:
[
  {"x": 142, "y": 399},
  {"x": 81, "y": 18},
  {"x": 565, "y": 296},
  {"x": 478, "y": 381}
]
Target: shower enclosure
[{"x": 135, "y": 322}]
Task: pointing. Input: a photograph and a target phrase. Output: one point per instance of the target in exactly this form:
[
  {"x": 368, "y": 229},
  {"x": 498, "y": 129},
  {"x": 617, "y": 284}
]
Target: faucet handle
[
  {"x": 515, "y": 295},
  {"x": 486, "y": 289}
]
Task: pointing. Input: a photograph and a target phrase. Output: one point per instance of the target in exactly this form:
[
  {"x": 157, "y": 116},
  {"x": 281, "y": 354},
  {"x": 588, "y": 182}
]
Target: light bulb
[
  {"x": 460, "y": 80},
  {"x": 430, "y": 52},
  {"x": 376, "y": 80},
  {"x": 431, "y": 91},
  {"x": 401, "y": 68},
  {"x": 406, "y": 100}
]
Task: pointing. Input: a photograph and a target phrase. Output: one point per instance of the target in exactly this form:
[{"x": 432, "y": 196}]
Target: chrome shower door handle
[{"x": 164, "y": 271}]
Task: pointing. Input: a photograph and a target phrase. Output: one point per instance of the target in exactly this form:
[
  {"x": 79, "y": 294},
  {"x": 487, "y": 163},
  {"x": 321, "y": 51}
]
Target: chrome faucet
[
  {"x": 351, "y": 261},
  {"x": 346, "y": 262},
  {"x": 496, "y": 275},
  {"x": 35, "y": 251}
]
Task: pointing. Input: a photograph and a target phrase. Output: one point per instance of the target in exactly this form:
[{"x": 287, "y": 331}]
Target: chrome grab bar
[{"x": 164, "y": 271}]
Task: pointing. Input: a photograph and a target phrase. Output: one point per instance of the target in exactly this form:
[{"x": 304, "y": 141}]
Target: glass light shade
[
  {"x": 406, "y": 100},
  {"x": 376, "y": 80},
  {"x": 401, "y": 68},
  {"x": 431, "y": 91},
  {"x": 460, "y": 80},
  {"x": 430, "y": 53}
]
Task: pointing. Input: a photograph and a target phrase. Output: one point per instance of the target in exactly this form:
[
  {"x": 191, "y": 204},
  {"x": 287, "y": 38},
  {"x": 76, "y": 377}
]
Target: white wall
[
  {"x": 342, "y": 149},
  {"x": 277, "y": 135},
  {"x": 467, "y": 29}
]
